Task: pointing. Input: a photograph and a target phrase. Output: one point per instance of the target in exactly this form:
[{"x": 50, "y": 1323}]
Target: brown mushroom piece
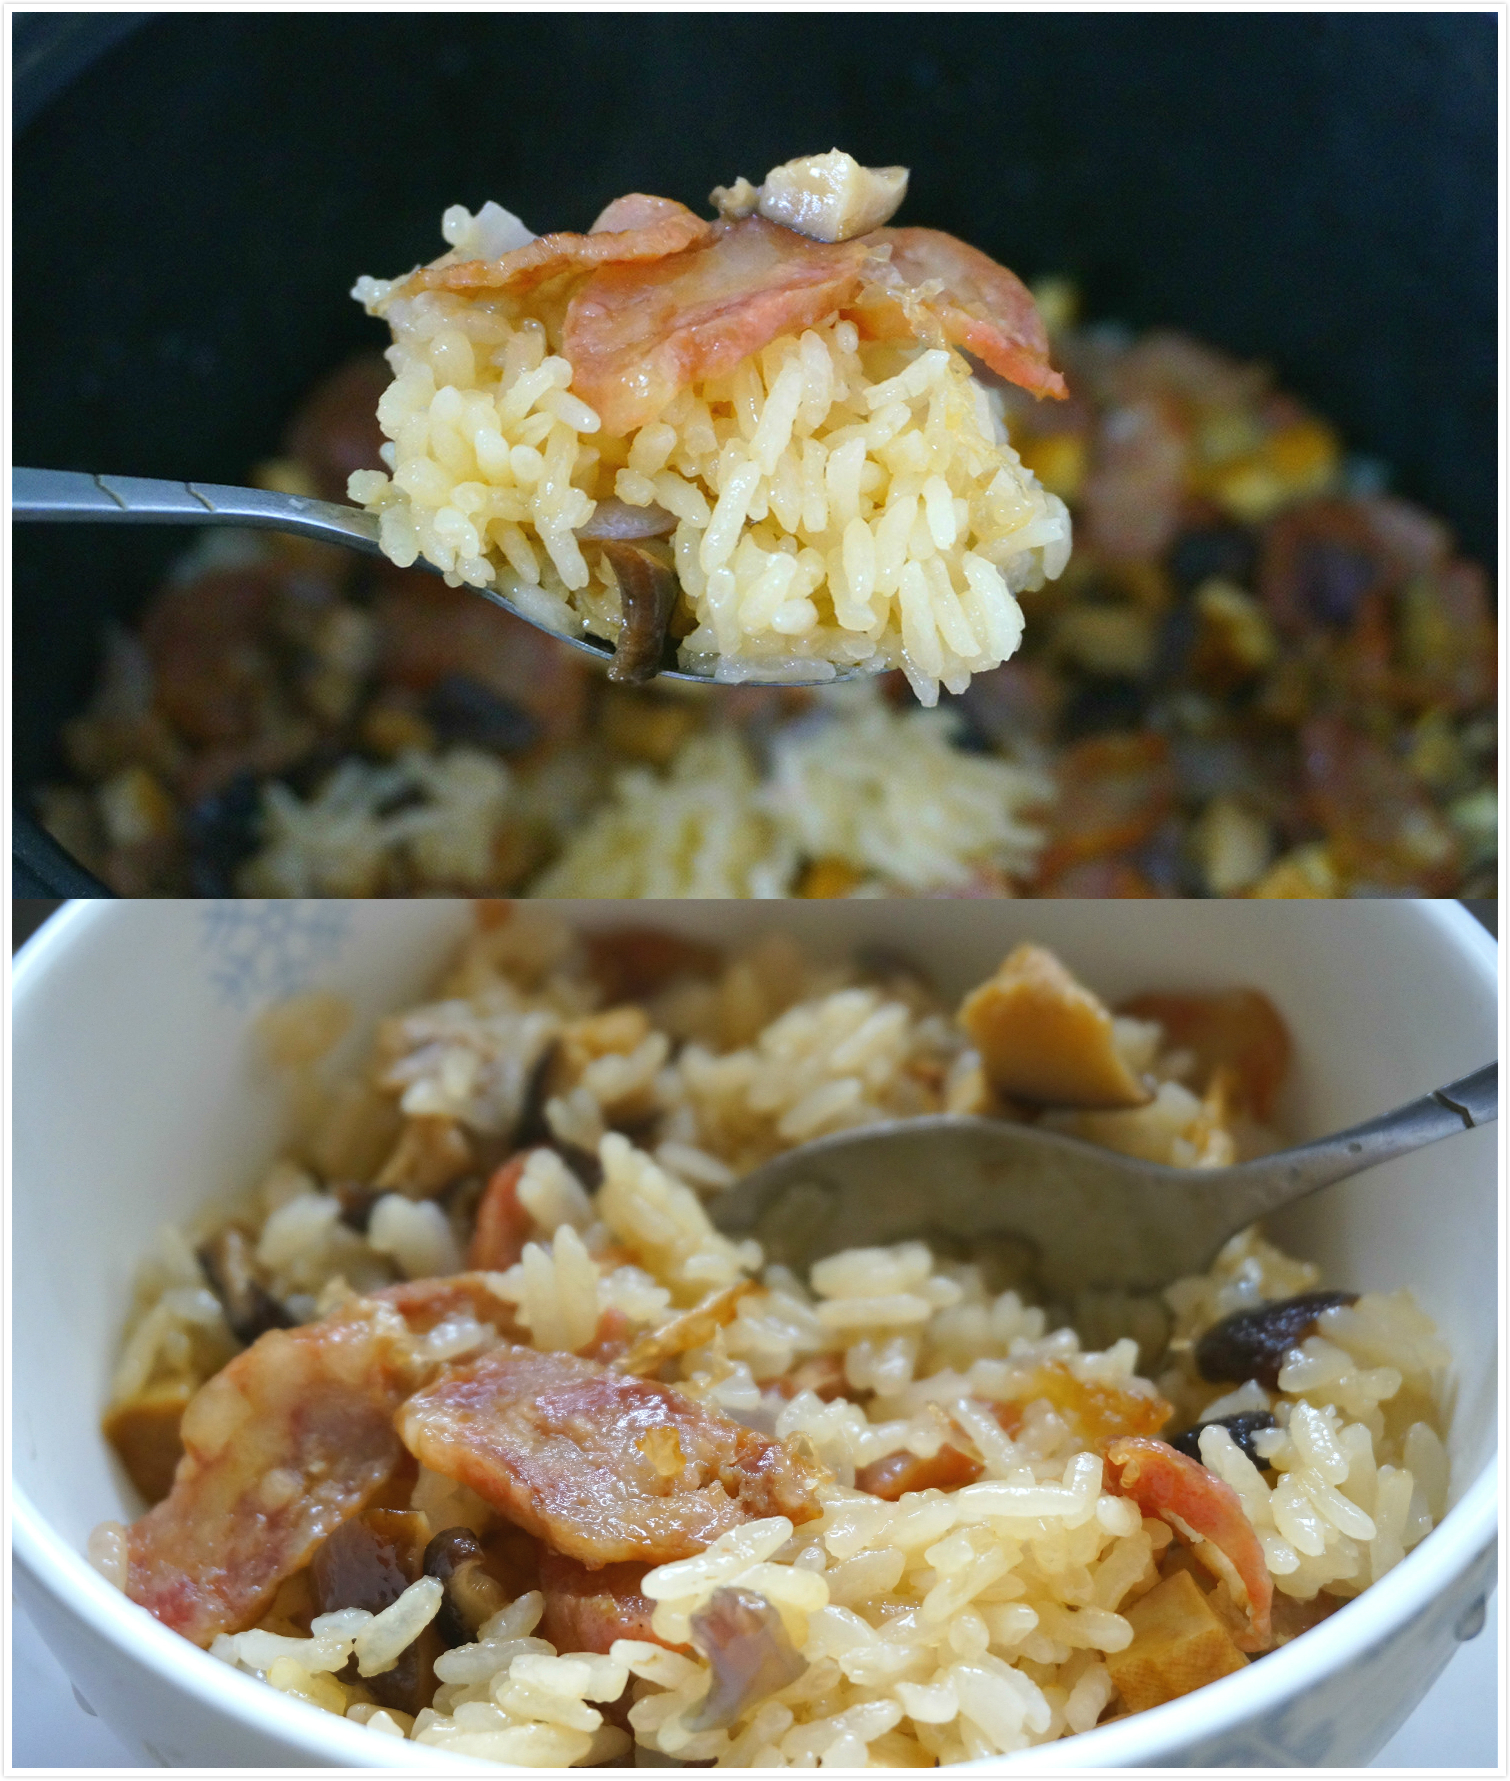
[
  {"x": 356, "y": 1201},
  {"x": 1253, "y": 1344},
  {"x": 229, "y": 1266},
  {"x": 1242, "y": 1427},
  {"x": 368, "y": 1562},
  {"x": 473, "y": 1593},
  {"x": 751, "y": 1655},
  {"x": 613, "y": 518},
  {"x": 649, "y": 591}
]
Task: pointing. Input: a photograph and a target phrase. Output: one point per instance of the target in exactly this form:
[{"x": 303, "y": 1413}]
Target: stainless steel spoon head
[
  {"x": 73, "y": 497},
  {"x": 1078, "y": 1217},
  {"x": 1081, "y": 1218}
]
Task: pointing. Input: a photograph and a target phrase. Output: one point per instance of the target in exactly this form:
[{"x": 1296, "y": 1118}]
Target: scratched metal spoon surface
[
  {"x": 74, "y": 496},
  {"x": 1083, "y": 1218}
]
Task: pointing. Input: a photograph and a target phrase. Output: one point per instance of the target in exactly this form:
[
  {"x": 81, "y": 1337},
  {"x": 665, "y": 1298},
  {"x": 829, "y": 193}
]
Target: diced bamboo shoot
[
  {"x": 1179, "y": 1644},
  {"x": 1044, "y": 1037},
  {"x": 144, "y": 1432}
]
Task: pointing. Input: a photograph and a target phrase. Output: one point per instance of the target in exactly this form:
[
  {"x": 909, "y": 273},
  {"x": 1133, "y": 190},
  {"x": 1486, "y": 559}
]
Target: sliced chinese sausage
[
  {"x": 587, "y": 1610},
  {"x": 424, "y": 1303},
  {"x": 1179, "y": 1490},
  {"x": 600, "y": 1466},
  {"x": 288, "y": 1441},
  {"x": 897, "y": 1474},
  {"x": 1042, "y": 1036},
  {"x": 285, "y": 1443},
  {"x": 983, "y": 307},
  {"x": 642, "y": 210},
  {"x": 503, "y": 1225},
  {"x": 636, "y": 334},
  {"x": 1240, "y": 1028},
  {"x": 644, "y": 229}
]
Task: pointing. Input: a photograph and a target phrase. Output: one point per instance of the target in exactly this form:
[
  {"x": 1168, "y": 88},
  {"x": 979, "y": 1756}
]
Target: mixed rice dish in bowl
[{"x": 492, "y": 1441}]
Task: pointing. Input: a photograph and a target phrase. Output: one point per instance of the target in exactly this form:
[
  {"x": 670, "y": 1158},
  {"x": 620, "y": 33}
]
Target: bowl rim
[{"x": 1464, "y": 1535}]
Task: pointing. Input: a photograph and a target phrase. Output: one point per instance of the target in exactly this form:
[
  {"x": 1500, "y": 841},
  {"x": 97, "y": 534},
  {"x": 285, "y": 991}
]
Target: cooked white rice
[
  {"x": 881, "y": 794},
  {"x": 946, "y": 1626},
  {"x": 838, "y": 503}
]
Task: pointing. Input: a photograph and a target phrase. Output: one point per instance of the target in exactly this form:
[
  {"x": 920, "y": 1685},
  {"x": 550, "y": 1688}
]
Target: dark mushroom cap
[
  {"x": 473, "y": 1593},
  {"x": 1253, "y": 1344},
  {"x": 229, "y": 1265},
  {"x": 648, "y": 592},
  {"x": 1243, "y": 1425}
]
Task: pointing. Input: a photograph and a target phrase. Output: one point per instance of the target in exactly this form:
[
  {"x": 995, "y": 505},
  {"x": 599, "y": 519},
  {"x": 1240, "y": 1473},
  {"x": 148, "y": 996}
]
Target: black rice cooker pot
[{"x": 195, "y": 193}]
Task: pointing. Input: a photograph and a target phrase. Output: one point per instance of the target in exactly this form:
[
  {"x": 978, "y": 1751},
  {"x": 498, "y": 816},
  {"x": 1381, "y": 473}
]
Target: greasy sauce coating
[{"x": 603, "y": 1467}]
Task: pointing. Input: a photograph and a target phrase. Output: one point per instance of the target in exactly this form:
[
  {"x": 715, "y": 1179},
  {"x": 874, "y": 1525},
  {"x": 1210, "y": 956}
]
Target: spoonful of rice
[
  {"x": 1079, "y": 1217},
  {"x": 769, "y": 447}
]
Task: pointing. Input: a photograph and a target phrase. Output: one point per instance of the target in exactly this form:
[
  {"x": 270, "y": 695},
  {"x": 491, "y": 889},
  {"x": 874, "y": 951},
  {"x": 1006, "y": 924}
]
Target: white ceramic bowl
[{"x": 137, "y": 1095}]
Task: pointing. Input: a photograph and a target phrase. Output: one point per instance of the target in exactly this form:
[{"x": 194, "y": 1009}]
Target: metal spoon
[
  {"x": 75, "y": 496},
  {"x": 1089, "y": 1218}
]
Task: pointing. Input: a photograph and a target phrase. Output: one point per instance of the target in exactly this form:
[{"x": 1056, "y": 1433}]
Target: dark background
[{"x": 1316, "y": 190}]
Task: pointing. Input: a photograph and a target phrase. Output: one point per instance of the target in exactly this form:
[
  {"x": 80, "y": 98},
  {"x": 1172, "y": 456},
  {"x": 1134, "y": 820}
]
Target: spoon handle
[
  {"x": 76, "y": 496},
  {"x": 1274, "y": 1181}
]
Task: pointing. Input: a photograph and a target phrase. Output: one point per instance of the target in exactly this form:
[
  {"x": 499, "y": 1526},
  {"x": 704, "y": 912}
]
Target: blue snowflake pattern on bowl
[{"x": 263, "y": 949}]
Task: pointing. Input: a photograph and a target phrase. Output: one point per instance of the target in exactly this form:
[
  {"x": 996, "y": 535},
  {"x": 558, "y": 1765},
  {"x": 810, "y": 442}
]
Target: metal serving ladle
[
  {"x": 73, "y": 496},
  {"x": 1084, "y": 1218}
]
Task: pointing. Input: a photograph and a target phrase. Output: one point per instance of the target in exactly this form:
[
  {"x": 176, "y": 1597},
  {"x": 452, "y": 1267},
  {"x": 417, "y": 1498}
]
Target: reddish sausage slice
[{"x": 603, "y": 1467}]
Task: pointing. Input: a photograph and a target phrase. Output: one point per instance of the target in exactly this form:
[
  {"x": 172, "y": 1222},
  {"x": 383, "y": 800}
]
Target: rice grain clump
[
  {"x": 833, "y": 502},
  {"x": 991, "y": 1541},
  {"x": 878, "y": 797}
]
